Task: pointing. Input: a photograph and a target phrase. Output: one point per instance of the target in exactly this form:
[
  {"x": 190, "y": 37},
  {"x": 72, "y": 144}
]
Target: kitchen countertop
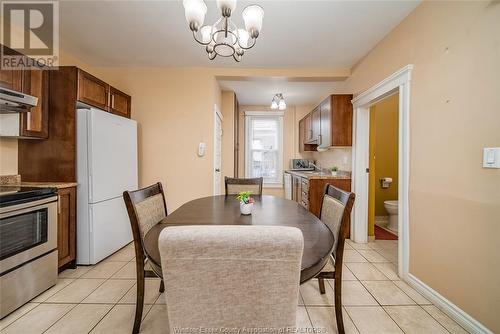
[
  {"x": 15, "y": 180},
  {"x": 58, "y": 185},
  {"x": 318, "y": 175}
]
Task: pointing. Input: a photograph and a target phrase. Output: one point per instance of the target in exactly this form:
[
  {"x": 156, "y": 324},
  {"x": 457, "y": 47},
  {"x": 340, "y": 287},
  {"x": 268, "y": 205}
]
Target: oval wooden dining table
[{"x": 267, "y": 210}]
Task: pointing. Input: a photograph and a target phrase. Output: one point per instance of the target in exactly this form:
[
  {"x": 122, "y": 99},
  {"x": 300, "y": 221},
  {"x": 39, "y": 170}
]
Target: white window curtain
[{"x": 264, "y": 147}]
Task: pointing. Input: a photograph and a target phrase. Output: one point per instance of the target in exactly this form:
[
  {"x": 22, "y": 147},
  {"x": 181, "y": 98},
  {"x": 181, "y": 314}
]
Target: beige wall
[{"x": 454, "y": 113}]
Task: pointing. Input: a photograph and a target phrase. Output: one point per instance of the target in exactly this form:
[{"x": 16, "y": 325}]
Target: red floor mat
[{"x": 382, "y": 234}]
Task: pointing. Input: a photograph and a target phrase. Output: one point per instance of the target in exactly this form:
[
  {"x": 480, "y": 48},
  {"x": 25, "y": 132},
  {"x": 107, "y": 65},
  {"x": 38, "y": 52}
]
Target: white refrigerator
[{"x": 106, "y": 166}]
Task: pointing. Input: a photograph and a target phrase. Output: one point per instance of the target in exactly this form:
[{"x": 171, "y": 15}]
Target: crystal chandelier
[
  {"x": 223, "y": 38},
  {"x": 278, "y": 102}
]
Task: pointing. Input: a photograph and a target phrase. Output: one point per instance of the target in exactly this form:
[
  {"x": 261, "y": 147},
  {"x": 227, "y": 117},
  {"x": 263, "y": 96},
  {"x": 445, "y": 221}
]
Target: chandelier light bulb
[
  {"x": 195, "y": 11},
  {"x": 206, "y": 34},
  {"x": 253, "y": 15},
  {"x": 243, "y": 37},
  {"x": 226, "y": 7},
  {"x": 274, "y": 105},
  {"x": 282, "y": 104}
]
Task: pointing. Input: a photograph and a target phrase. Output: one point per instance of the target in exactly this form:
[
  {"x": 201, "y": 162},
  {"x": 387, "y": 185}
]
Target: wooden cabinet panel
[
  {"x": 308, "y": 131},
  {"x": 305, "y": 131},
  {"x": 92, "y": 91},
  {"x": 316, "y": 125},
  {"x": 66, "y": 227},
  {"x": 325, "y": 110},
  {"x": 341, "y": 120},
  {"x": 317, "y": 188},
  {"x": 11, "y": 79},
  {"x": 119, "y": 103},
  {"x": 35, "y": 123}
]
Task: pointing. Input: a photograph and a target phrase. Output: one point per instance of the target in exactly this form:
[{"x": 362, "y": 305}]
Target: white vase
[
  {"x": 334, "y": 173},
  {"x": 246, "y": 208}
]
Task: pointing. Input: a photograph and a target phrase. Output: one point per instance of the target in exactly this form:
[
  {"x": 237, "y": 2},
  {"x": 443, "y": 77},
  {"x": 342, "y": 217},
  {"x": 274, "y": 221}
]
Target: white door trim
[
  {"x": 217, "y": 114},
  {"x": 398, "y": 82}
]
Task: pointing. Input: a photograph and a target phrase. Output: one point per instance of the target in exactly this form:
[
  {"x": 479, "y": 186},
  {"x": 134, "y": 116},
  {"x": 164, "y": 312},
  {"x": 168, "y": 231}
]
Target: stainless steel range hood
[{"x": 15, "y": 102}]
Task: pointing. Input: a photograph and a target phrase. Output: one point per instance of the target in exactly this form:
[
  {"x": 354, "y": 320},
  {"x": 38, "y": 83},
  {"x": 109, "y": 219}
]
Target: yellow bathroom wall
[
  {"x": 371, "y": 175},
  {"x": 385, "y": 157}
]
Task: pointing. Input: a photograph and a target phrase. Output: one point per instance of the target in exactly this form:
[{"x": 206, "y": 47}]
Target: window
[{"x": 264, "y": 147}]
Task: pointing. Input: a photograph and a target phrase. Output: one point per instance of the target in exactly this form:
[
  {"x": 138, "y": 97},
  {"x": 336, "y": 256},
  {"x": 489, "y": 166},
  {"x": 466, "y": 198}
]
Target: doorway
[
  {"x": 217, "y": 151},
  {"x": 383, "y": 172},
  {"x": 397, "y": 83}
]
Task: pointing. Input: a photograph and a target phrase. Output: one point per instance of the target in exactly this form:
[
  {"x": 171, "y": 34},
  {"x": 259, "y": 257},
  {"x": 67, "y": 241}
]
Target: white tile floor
[{"x": 101, "y": 299}]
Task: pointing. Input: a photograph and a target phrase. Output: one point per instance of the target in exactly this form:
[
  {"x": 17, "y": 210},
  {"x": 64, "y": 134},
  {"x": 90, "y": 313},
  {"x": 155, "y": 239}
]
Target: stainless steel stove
[{"x": 28, "y": 244}]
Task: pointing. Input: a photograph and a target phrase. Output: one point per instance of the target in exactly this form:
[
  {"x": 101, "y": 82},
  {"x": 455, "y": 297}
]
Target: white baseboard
[{"x": 453, "y": 311}]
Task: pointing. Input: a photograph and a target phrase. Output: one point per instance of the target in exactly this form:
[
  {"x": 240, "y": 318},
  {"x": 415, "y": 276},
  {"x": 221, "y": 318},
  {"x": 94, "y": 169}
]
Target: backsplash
[{"x": 340, "y": 157}]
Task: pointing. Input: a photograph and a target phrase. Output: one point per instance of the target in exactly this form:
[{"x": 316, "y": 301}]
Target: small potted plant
[
  {"x": 334, "y": 170},
  {"x": 246, "y": 202}
]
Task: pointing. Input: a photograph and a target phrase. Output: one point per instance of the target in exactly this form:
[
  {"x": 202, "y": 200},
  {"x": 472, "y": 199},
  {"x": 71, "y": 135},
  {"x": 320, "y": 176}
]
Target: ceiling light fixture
[
  {"x": 223, "y": 38},
  {"x": 278, "y": 102}
]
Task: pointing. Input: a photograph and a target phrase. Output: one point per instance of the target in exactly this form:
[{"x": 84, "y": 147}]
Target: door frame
[
  {"x": 398, "y": 82},
  {"x": 217, "y": 114}
]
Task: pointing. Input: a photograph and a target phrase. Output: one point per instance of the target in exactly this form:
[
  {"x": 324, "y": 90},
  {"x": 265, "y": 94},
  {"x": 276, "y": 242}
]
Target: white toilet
[{"x": 392, "y": 208}]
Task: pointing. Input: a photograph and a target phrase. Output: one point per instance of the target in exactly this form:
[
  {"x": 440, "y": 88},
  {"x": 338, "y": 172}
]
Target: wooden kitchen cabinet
[
  {"x": 119, "y": 103},
  {"x": 325, "y": 137},
  {"x": 315, "y": 126},
  {"x": 95, "y": 92},
  {"x": 309, "y": 191},
  {"x": 66, "y": 227},
  {"x": 92, "y": 90},
  {"x": 35, "y": 82},
  {"x": 11, "y": 79},
  {"x": 329, "y": 124},
  {"x": 35, "y": 123}
]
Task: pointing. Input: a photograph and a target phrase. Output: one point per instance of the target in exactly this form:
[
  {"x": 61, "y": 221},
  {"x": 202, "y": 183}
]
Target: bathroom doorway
[
  {"x": 397, "y": 83},
  {"x": 383, "y": 172}
]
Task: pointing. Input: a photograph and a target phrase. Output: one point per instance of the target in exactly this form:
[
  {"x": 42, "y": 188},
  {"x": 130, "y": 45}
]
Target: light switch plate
[{"x": 491, "y": 157}]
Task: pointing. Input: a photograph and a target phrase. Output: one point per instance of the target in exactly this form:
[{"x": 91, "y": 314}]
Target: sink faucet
[{"x": 318, "y": 167}]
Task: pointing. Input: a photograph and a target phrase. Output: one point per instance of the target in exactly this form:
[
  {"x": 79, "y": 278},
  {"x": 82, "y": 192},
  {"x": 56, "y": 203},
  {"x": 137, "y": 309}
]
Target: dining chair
[
  {"x": 231, "y": 276},
  {"x": 335, "y": 213},
  {"x": 235, "y": 186},
  {"x": 146, "y": 207}
]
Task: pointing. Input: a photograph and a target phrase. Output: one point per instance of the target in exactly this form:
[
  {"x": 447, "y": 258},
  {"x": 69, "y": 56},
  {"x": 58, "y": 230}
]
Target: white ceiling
[
  {"x": 260, "y": 91},
  {"x": 334, "y": 34}
]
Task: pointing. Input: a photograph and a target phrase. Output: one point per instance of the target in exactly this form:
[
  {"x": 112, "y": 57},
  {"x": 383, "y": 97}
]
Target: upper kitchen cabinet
[
  {"x": 119, "y": 103},
  {"x": 92, "y": 91},
  {"x": 31, "y": 124},
  {"x": 97, "y": 93},
  {"x": 11, "y": 79},
  {"x": 328, "y": 125},
  {"x": 313, "y": 127},
  {"x": 341, "y": 121},
  {"x": 336, "y": 121},
  {"x": 35, "y": 123}
]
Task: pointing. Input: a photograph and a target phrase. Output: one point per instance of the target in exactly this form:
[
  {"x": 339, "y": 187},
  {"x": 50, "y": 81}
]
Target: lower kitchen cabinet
[
  {"x": 317, "y": 188},
  {"x": 66, "y": 227},
  {"x": 308, "y": 192}
]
